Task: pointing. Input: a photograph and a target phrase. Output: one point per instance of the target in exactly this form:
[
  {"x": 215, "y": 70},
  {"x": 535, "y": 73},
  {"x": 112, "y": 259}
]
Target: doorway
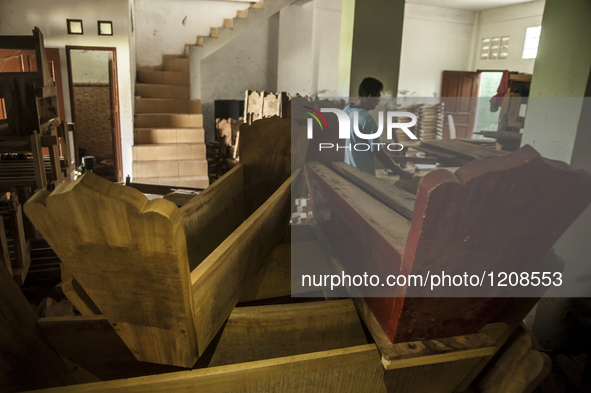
[{"x": 94, "y": 102}]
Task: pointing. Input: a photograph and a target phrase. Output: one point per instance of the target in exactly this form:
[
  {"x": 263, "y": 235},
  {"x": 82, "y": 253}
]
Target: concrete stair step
[
  {"x": 168, "y": 120},
  {"x": 169, "y": 152},
  {"x": 168, "y": 135},
  {"x": 181, "y": 64},
  {"x": 176, "y": 169},
  {"x": 228, "y": 23},
  {"x": 166, "y": 105},
  {"x": 149, "y": 90},
  {"x": 242, "y": 14},
  {"x": 185, "y": 181},
  {"x": 163, "y": 77},
  {"x": 149, "y": 68},
  {"x": 167, "y": 57}
]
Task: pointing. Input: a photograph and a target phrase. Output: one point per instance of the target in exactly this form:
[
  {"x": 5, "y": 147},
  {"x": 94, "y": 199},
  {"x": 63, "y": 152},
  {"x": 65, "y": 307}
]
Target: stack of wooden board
[
  {"x": 430, "y": 122},
  {"x": 456, "y": 152},
  {"x": 402, "y": 137}
]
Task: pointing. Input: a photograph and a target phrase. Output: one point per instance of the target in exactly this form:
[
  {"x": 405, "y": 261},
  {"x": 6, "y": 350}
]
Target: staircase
[{"x": 169, "y": 146}]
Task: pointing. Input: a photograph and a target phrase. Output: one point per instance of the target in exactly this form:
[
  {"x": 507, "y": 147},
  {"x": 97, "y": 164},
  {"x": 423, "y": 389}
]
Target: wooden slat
[
  {"x": 464, "y": 149},
  {"x": 274, "y": 279},
  {"x": 419, "y": 353},
  {"x": 264, "y": 168},
  {"x": 213, "y": 215},
  {"x": 217, "y": 282},
  {"x": 396, "y": 198},
  {"x": 139, "y": 248},
  {"x": 348, "y": 370},
  {"x": 266, "y": 332}
]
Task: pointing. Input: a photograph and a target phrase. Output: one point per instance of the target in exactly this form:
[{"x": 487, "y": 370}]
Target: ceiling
[{"x": 472, "y": 5}]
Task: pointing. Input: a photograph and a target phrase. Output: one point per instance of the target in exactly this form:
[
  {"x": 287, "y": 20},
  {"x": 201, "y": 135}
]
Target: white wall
[
  {"x": 249, "y": 62},
  {"x": 90, "y": 66},
  {"x": 509, "y": 21},
  {"x": 164, "y": 27},
  {"x": 308, "y": 57},
  {"x": 434, "y": 39},
  {"x": 19, "y": 17},
  {"x": 296, "y": 32}
]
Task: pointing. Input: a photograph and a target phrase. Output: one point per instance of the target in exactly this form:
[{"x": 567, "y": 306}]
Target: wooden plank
[
  {"x": 419, "y": 353},
  {"x": 274, "y": 278},
  {"x": 39, "y": 164},
  {"x": 348, "y": 370},
  {"x": 22, "y": 250},
  {"x": 4, "y": 252},
  {"x": 210, "y": 217},
  {"x": 266, "y": 332},
  {"x": 217, "y": 282},
  {"x": 139, "y": 248},
  {"x": 265, "y": 169},
  {"x": 464, "y": 149},
  {"x": 26, "y": 359},
  {"x": 396, "y": 198},
  {"x": 359, "y": 228}
]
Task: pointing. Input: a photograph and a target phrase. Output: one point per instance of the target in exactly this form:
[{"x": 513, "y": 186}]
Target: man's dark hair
[{"x": 370, "y": 86}]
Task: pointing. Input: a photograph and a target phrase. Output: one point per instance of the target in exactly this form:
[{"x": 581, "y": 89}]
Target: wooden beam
[
  {"x": 140, "y": 250},
  {"x": 210, "y": 217},
  {"x": 401, "y": 201},
  {"x": 217, "y": 282},
  {"x": 463, "y": 149}
]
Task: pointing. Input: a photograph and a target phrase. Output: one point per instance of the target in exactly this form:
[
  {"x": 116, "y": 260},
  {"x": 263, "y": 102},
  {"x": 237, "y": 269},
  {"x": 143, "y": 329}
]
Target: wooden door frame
[
  {"x": 115, "y": 110},
  {"x": 473, "y": 103}
]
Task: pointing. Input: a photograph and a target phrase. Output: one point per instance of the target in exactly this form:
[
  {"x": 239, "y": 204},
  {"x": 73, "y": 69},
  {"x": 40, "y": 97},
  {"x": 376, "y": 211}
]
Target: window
[
  {"x": 75, "y": 26},
  {"x": 532, "y": 40}
]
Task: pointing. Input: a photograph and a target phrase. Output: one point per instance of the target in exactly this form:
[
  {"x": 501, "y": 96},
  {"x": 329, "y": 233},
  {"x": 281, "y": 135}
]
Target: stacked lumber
[
  {"x": 402, "y": 137},
  {"x": 430, "y": 122},
  {"x": 457, "y": 152}
]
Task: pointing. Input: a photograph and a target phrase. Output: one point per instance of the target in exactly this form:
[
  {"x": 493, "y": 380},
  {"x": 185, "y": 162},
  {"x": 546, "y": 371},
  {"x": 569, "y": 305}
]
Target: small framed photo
[
  {"x": 105, "y": 27},
  {"x": 75, "y": 26}
]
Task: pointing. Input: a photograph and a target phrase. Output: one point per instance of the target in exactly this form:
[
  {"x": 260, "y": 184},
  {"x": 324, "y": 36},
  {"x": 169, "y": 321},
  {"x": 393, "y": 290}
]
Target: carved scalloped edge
[{"x": 129, "y": 195}]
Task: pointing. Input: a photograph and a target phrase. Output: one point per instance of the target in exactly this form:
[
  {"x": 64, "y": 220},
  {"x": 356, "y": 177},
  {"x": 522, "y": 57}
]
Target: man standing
[{"x": 370, "y": 91}]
